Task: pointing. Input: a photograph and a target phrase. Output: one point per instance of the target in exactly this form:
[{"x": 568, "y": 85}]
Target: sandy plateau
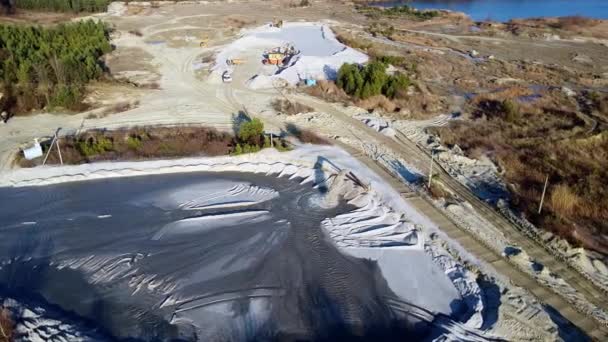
[{"x": 242, "y": 247}]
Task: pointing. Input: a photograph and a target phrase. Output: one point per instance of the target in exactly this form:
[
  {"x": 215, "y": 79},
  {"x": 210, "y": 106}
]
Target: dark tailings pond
[
  {"x": 199, "y": 256},
  {"x": 504, "y": 10}
]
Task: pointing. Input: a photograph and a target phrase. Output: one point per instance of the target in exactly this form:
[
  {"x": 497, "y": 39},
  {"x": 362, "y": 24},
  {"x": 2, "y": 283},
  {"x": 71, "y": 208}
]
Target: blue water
[{"x": 504, "y": 10}]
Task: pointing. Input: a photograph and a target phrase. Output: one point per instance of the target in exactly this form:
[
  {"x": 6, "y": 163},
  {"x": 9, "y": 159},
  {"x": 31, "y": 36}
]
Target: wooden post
[
  {"x": 431, "y": 170},
  {"x": 542, "y": 199},
  {"x": 58, "y": 149},
  {"x": 49, "y": 151}
]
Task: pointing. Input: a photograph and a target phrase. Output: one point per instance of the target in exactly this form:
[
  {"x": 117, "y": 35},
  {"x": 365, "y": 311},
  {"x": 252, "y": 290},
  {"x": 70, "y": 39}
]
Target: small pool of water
[{"x": 505, "y": 10}]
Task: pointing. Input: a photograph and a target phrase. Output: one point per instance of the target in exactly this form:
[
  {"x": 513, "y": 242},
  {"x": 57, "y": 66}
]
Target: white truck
[{"x": 227, "y": 76}]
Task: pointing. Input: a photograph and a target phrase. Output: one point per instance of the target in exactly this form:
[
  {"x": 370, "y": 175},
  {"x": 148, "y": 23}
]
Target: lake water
[{"x": 504, "y": 10}]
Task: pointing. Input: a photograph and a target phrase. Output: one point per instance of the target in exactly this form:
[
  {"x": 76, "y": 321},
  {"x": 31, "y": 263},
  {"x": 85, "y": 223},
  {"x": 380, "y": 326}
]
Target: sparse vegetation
[
  {"x": 404, "y": 11},
  {"x": 571, "y": 22},
  {"x": 354, "y": 42},
  {"x": 529, "y": 143},
  {"x": 93, "y": 146},
  {"x": 49, "y": 66},
  {"x": 140, "y": 143}
]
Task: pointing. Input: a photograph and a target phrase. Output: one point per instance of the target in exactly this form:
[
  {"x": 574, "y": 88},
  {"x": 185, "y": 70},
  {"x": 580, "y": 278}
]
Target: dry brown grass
[
  {"x": 574, "y": 22},
  {"x": 6, "y": 326},
  {"x": 114, "y": 109},
  {"x": 284, "y": 106},
  {"x": 328, "y": 91},
  {"x": 377, "y": 102},
  {"x": 544, "y": 140},
  {"x": 353, "y": 41},
  {"x": 141, "y": 143},
  {"x": 564, "y": 201}
]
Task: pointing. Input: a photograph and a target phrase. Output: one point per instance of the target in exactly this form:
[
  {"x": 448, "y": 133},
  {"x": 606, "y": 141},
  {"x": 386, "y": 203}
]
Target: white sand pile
[
  {"x": 117, "y": 9},
  {"x": 321, "y": 54},
  {"x": 377, "y": 123}
]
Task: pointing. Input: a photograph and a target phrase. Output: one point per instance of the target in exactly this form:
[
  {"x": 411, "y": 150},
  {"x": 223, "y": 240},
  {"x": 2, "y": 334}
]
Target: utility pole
[
  {"x": 431, "y": 170},
  {"x": 542, "y": 199}
]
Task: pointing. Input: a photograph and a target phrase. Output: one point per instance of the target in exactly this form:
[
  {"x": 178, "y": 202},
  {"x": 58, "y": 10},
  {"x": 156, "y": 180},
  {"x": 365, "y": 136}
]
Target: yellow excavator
[{"x": 235, "y": 61}]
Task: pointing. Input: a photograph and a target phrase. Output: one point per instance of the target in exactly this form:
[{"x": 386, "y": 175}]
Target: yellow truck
[{"x": 235, "y": 61}]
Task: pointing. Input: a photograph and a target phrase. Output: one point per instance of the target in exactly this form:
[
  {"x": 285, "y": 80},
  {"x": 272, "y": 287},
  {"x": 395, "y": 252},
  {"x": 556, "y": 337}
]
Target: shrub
[
  {"x": 134, "y": 143},
  {"x": 251, "y": 131},
  {"x": 350, "y": 79},
  {"x": 67, "y": 97},
  {"x": 238, "y": 149},
  {"x": 396, "y": 86},
  {"x": 371, "y": 80},
  {"x": 511, "y": 111},
  {"x": 392, "y": 60},
  {"x": 91, "y": 147}
]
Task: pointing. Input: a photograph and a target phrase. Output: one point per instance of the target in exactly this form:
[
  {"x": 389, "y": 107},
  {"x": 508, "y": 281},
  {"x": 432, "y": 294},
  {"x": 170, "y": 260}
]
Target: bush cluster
[
  {"x": 91, "y": 147},
  {"x": 49, "y": 66},
  {"x": 371, "y": 80}
]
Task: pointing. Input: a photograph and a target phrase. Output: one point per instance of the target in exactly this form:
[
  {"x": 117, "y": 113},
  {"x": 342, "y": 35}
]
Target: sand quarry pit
[
  {"x": 320, "y": 54},
  {"x": 194, "y": 250}
]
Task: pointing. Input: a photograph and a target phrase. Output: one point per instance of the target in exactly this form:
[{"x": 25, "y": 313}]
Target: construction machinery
[
  {"x": 235, "y": 61},
  {"x": 279, "y": 55}
]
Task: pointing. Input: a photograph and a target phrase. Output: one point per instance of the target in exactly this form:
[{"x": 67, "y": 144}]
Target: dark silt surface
[{"x": 275, "y": 277}]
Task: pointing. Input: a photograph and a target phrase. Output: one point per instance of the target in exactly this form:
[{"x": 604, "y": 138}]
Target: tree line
[
  {"x": 76, "y": 6},
  {"x": 371, "y": 80},
  {"x": 42, "y": 67}
]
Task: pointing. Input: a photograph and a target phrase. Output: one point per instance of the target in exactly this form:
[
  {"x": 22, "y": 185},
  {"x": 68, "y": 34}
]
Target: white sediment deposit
[{"x": 320, "y": 57}]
